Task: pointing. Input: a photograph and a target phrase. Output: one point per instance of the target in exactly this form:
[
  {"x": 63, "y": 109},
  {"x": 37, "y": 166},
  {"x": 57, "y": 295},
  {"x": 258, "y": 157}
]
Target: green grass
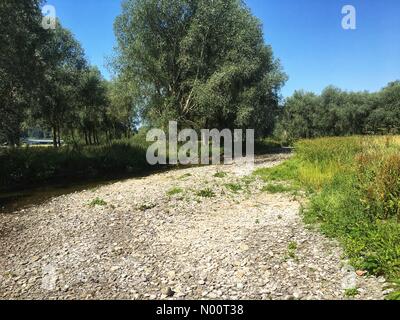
[
  {"x": 353, "y": 186},
  {"x": 220, "y": 174},
  {"x": 292, "y": 249},
  {"x": 278, "y": 188},
  {"x": 97, "y": 202},
  {"x": 234, "y": 187},
  {"x": 185, "y": 176},
  {"x": 206, "y": 193},
  {"x": 174, "y": 191},
  {"x": 351, "y": 293}
]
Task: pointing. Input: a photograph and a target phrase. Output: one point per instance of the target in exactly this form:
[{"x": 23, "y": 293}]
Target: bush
[{"x": 20, "y": 167}]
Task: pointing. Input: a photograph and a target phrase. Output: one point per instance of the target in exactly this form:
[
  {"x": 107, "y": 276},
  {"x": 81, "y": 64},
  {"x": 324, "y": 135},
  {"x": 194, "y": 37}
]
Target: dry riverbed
[{"x": 197, "y": 233}]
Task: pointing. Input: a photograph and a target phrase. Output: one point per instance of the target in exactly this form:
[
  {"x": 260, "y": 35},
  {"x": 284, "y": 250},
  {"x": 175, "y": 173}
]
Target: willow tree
[{"x": 203, "y": 63}]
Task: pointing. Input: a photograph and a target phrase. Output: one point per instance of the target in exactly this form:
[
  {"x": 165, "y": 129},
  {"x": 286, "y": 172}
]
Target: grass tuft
[
  {"x": 97, "y": 202},
  {"x": 206, "y": 193}
]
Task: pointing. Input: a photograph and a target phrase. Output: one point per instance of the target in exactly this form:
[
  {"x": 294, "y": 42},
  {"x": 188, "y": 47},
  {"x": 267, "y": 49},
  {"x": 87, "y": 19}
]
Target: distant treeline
[{"x": 340, "y": 113}]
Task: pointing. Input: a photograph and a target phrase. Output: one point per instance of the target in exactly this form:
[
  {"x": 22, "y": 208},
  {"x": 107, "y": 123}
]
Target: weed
[
  {"x": 174, "y": 191},
  {"x": 220, "y": 174},
  {"x": 395, "y": 294},
  {"x": 234, "y": 187},
  {"x": 186, "y": 175},
  {"x": 351, "y": 293},
  {"x": 97, "y": 202},
  {"x": 206, "y": 193}
]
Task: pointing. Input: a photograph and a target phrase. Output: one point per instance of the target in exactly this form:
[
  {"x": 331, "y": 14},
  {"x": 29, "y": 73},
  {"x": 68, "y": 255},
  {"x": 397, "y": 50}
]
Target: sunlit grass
[{"x": 354, "y": 184}]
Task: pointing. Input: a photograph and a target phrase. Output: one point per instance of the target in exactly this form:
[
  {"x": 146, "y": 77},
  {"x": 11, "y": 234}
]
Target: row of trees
[
  {"x": 202, "y": 63},
  {"x": 46, "y": 81},
  {"x": 338, "y": 113}
]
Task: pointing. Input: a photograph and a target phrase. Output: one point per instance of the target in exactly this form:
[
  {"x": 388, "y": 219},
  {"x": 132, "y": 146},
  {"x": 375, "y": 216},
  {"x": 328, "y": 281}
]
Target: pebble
[{"x": 147, "y": 245}]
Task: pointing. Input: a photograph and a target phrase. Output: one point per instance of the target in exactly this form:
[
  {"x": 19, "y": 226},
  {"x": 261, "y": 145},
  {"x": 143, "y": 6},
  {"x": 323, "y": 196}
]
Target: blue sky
[{"x": 306, "y": 35}]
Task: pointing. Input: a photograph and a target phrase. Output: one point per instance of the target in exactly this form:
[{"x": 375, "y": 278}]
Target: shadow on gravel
[{"x": 12, "y": 201}]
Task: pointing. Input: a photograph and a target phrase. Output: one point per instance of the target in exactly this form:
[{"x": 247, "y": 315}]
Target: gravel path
[{"x": 182, "y": 234}]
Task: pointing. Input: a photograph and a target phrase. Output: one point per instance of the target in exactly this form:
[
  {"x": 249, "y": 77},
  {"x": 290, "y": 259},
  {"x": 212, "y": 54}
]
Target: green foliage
[
  {"x": 340, "y": 113},
  {"x": 185, "y": 176},
  {"x": 21, "y": 63},
  {"x": 395, "y": 287},
  {"x": 234, "y": 187},
  {"x": 351, "y": 293},
  {"x": 26, "y": 166},
  {"x": 354, "y": 185},
  {"x": 220, "y": 174},
  {"x": 174, "y": 191},
  {"x": 206, "y": 193},
  {"x": 203, "y": 63},
  {"x": 97, "y": 202},
  {"x": 292, "y": 248},
  {"x": 277, "y": 188}
]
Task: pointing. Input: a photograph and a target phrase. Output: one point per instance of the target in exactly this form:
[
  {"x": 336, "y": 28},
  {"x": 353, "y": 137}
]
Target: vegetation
[
  {"x": 33, "y": 166},
  {"x": 292, "y": 249},
  {"x": 277, "y": 188},
  {"x": 220, "y": 174},
  {"x": 340, "y": 113},
  {"x": 354, "y": 186},
  {"x": 234, "y": 187},
  {"x": 97, "y": 202},
  {"x": 46, "y": 84},
  {"x": 174, "y": 191},
  {"x": 351, "y": 293},
  {"x": 206, "y": 193},
  {"x": 202, "y": 63}
]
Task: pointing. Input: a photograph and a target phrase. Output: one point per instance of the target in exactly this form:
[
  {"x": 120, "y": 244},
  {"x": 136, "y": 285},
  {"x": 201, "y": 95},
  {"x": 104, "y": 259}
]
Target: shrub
[{"x": 20, "y": 167}]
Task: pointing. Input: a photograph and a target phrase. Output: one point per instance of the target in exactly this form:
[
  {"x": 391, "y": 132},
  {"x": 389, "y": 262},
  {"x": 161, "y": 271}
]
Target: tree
[
  {"x": 92, "y": 105},
  {"x": 202, "y": 63},
  {"x": 338, "y": 113},
  {"x": 124, "y": 107},
  {"x": 65, "y": 63},
  {"x": 21, "y": 64}
]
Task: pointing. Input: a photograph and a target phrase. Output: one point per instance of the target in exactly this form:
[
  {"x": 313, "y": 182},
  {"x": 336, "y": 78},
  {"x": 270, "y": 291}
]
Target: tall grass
[{"x": 354, "y": 188}]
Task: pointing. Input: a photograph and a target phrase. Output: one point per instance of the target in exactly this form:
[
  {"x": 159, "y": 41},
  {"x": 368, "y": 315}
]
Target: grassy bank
[
  {"x": 22, "y": 167},
  {"x": 354, "y": 190}
]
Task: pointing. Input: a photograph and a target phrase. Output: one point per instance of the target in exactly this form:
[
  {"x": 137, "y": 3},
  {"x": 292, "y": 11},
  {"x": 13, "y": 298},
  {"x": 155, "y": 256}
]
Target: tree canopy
[
  {"x": 338, "y": 113},
  {"x": 200, "y": 62}
]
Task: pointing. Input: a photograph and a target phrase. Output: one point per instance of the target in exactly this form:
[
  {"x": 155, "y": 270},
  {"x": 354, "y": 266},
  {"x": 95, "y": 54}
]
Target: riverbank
[{"x": 208, "y": 232}]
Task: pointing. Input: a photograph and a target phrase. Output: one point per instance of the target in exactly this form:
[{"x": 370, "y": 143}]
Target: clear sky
[{"x": 306, "y": 35}]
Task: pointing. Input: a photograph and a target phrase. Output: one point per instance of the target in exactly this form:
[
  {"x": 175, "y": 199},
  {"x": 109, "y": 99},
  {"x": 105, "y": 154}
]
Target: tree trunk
[
  {"x": 59, "y": 136},
  {"x": 86, "y": 137},
  {"x": 54, "y": 137}
]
